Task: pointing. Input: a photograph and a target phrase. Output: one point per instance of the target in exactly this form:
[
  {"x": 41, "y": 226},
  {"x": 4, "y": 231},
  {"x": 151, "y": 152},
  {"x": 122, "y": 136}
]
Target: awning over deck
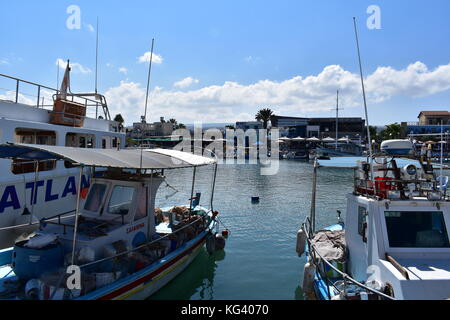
[{"x": 106, "y": 158}]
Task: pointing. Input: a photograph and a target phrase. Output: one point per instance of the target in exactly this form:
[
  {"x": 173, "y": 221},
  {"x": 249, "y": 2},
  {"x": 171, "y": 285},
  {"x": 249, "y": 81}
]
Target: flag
[{"x": 65, "y": 85}]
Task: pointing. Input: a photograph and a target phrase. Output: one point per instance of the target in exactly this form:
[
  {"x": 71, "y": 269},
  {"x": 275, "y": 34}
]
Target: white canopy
[
  {"x": 345, "y": 139},
  {"x": 298, "y": 139},
  {"x": 328, "y": 139},
  {"x": 313, "y": 139},
  {"x": 107, "y": 158},
  {"x": 285, "y": 139}
]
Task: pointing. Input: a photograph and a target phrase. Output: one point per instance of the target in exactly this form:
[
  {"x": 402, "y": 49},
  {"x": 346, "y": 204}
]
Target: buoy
[
  {"x": 301, "y": 242},
  {"x": 220, "y": 242},
  {"x": 225, "y": 233},
  {"x": 308, "y": 278},
  {"x": 255, "y": 199}
]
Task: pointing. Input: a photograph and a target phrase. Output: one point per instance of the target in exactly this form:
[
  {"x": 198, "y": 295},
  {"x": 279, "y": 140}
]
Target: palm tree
[
  {"x": 120, "y": 120},
  {"x": 264, "y": 115},
  {"x": 392, "y": 131}
]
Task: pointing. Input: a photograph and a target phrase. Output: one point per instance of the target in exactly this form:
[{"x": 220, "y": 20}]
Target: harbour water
[{"x": 259, "y": 261}]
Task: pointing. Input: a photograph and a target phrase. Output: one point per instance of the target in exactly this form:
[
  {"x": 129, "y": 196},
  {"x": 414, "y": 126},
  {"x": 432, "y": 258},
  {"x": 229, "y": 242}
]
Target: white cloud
[
  {"x": 4, "y": 61},
  {"x": 146, "y": 58},
  {"x": 298, "y": 96},
  {"x": 186, "y": 82},
  {"x": 75, "y": 66},
  {"x": 123, "y": 70}
]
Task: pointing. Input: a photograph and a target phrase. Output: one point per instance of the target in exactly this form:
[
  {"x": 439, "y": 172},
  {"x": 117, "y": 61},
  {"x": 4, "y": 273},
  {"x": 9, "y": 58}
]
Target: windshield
[
  {"x": 415, "y": 229},
  {"x": 121, "y": 200},
  {"x": 95, "y": 197}
]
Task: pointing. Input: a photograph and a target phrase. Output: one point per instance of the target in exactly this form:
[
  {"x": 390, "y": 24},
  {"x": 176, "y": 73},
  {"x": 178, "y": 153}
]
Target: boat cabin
[
  {"x": 115, "y": 209},
  {"x": 398, "y": 232}
]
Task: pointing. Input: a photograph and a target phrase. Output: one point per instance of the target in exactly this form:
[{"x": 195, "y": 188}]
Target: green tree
[
  {"x": 264, "y": 116},
  {"x": 392, "y": 131}
]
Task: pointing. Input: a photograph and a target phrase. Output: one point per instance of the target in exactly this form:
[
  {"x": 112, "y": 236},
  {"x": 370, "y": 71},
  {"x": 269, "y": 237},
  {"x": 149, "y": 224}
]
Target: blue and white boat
[
  {"x": 116, "y": 245},
  {"x": 394, "y": 243}
]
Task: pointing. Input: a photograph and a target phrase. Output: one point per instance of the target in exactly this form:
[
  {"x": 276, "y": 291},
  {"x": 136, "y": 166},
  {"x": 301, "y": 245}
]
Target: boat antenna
[
  {"x": 96, "y": 60},
  {"x": 144, "y": 118},
  {"x": 148, "y": 79},
  {"x": 365, "y": 101}
]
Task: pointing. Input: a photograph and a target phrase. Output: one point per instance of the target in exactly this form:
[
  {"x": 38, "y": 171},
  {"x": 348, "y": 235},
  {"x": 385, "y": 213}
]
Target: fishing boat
[
  {"x": 47, "y": 116},
  {"x": 115, "y": 245},
  {"x": 394, "y": 242}
]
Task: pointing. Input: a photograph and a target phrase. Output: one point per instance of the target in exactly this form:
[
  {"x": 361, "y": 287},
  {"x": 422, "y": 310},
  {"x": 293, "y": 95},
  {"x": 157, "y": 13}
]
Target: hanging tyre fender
[{"x": 301, "y": 242}]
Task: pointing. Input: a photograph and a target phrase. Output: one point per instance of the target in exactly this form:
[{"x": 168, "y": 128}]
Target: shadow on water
[{"x": 196, "y": 280}]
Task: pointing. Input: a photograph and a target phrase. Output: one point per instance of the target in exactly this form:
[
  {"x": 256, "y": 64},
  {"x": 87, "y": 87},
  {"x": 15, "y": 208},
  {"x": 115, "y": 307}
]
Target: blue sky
[{"x": 237, "y": 56}]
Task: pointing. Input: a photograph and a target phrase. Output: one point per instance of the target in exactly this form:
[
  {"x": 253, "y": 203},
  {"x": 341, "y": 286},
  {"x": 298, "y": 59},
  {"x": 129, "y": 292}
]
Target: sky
[{"x": 221, "y": 61}]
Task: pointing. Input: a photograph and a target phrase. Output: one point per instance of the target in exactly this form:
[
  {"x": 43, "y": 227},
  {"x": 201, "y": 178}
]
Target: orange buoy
[{"x": 225, "y": 232}]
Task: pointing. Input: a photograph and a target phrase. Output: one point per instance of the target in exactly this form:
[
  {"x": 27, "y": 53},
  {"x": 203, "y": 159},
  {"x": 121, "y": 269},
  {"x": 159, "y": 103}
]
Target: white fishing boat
[
  {"x": 48, "y": 117},
  {"x": 121, "y": 246},
  {"x": 394, "y": 243}
]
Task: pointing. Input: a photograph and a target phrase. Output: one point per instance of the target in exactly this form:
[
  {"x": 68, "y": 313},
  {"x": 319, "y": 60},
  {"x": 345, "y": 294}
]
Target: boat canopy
[{"x": 106, "y": 158}]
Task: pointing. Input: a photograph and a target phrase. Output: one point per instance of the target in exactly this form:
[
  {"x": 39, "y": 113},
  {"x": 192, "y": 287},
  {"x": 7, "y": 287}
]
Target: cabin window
[
  {"x": 121, "y": 200},
  {"x": 141, "y": 210},
  {"x": 416, "y": 229},
  {"x": 95, "y": 197},
  {"x": 31, "y": 136},
  {"x": 362, "y": 221},
  {"x": 80, "y": 140}
]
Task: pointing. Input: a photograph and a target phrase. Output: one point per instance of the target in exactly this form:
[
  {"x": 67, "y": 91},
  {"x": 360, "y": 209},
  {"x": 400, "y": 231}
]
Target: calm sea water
[{"x": 259, "y": 261}]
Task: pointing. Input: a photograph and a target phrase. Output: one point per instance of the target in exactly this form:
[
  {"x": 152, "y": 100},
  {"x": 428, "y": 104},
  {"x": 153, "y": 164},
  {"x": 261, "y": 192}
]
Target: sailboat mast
[{"x": 337, "y": 119}]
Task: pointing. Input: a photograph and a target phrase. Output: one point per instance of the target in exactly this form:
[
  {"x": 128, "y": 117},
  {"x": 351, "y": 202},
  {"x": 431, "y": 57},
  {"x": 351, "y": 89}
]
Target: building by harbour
[
  {"x": 352, "y": 128},
  {"x": 430, "y": 122},
  {"x": 142, "y": 130}
]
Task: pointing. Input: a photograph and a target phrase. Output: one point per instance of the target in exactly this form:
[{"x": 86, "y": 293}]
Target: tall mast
[
  {"x": 337, "y": 119},
  {"x": 365, "y": 101}
]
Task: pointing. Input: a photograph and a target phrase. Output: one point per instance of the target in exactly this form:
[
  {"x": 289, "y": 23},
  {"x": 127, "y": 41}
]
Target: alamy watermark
[
  {"x": 374, "y": 20},
  {"x": 73, "y": 22},
  {"x": 233, "y": 146}
]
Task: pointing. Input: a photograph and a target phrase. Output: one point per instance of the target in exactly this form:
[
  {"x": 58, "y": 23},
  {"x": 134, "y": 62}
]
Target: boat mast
[{"x": 365, "y": 103}]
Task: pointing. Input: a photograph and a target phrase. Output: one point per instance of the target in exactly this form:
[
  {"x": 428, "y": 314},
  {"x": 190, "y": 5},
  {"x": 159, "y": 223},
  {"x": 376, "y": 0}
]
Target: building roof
[{"x": 434, "y": 113}]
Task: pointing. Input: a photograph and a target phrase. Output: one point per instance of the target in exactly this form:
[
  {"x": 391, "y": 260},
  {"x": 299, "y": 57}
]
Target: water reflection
[{"x": 196, "y": 281}]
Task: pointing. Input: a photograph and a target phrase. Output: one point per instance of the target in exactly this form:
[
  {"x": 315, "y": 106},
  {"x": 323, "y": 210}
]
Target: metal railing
[
  {"x": 82, "y": 98},
  {"x": 422, "y": 188},
  {"x": 320, "y": 263}
]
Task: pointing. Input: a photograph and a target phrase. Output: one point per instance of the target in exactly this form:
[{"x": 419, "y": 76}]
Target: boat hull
[{"x": 144, "y": 283}]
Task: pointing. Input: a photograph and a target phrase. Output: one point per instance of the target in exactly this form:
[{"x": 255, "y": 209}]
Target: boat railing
[
  {"x": 145, "y": 245},
  {"x": 404, "y": 189},
  {"x": 43, "y": 92},
  {"x": 321, "y": 263}
]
